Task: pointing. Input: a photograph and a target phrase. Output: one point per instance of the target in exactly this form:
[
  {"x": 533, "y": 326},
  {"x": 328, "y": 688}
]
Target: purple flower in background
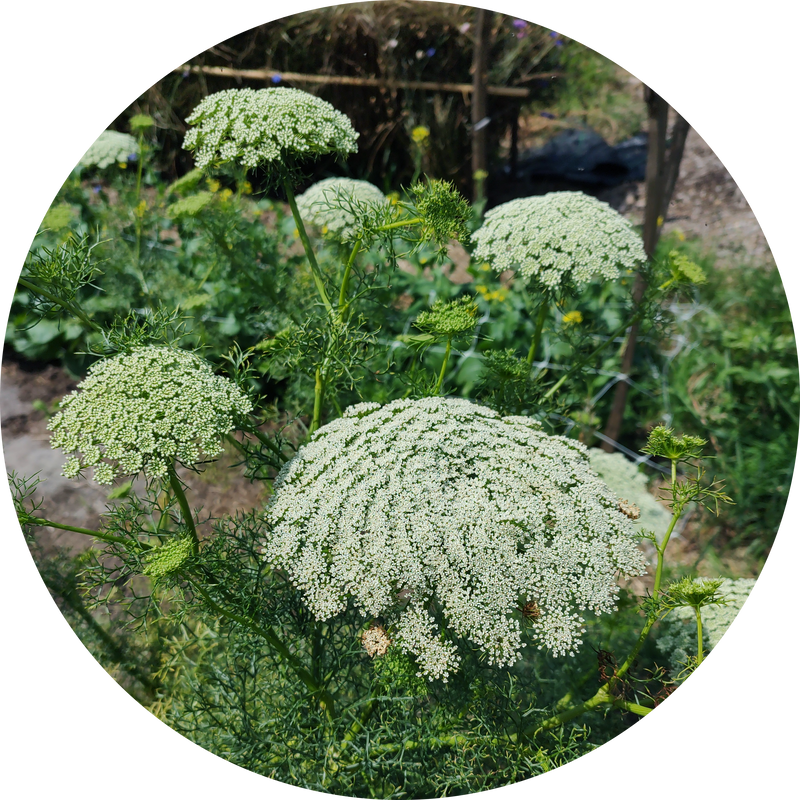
[
  {"x": 430, "y": 52},
  {"x": 464, "y": 27},
  {"x": 559, "y": 43},
  {"x": 522, "y": 35},
  {"x": 554, "y": 35},
  {"x": 97, "y": 188},
  {"x": 519, "y": 23},
  {"x": 132, "y": 157},
  {"x": 185, "y": 73},
  {"x": 391, "y": 44},
  {"x": 276, "y": 78},
  {"x": 547, "y": 115}
]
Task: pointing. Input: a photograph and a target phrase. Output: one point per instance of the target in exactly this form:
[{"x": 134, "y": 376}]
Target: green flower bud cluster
[
  {"x": 678, "y": 632},
  {"x": 442, "y": 503},
  {"x": 684, "y": 270},
  {"x": 629, "y": 483},
  {"x": 139, "y": 123},
  {"x": 396, "y": 673},
  {"x": 145, "y": 410},
  {"x": 558, "y": 240},
  {"x": 663, "y": 442},
  {"x": 443, "y": 210},
  {"x": 186, "y": 183},
  {"x": 169, "y": 557},
  {"x": 340, "y": 206},
  {"x": 449, "y": 318},
  {"x": 111, "y": 147},
  {"x": 189, "y": 206},
  {"x": 265, "y": 127}
]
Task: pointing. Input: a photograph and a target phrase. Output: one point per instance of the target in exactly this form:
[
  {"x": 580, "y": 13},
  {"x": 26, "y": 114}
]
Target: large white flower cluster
[
  {"x": 259, "y": 127},
  {"x": 111, "y": 147},
  {"x": 561, "y": 239},
  {"x": 630, "y": 484},
  {"x": 423, "y": 510},
  {"x": 145, "y": 410},
  {"x": 338, "y": 206},
  {"x": 678, "y": 632}
]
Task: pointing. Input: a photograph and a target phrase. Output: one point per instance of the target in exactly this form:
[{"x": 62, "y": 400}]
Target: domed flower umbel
[
  {"x": 266, "y": 127},
  {"x": 340, "y": 206},
  {"x": 146, "y": 410},
  {"x": 111, "y": 147},
  {"x": 444, "y": 519},
  {"x": 557, "y": 241}
]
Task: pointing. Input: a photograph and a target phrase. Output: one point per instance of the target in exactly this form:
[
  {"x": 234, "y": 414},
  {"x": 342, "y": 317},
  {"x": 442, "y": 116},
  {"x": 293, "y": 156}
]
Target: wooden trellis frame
[{"x": 477, "y": 87}]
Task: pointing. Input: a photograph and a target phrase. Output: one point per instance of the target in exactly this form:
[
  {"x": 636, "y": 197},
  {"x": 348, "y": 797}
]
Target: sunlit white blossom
[
  {"x": 445, "y": 519},
  {"x": 111, "y": 147},
  {"x": 338, "y": 205},
  {"x": 259, "y": 127},
  {"x": 561, "y": 239},
  {"x": 145, "y": 410}
]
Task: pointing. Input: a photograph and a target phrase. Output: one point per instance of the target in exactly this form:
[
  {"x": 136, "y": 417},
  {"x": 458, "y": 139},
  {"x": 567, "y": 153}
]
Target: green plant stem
[
  {"x": 319, "y": 391},
  {"x": 74, "y": 310},
  {"x": 105, "y": 537},
  {"x": 343, "y": 304},
  {"x": 265, "y": 440},
  {"x": 353, "y": 731},
  {"x": 186, "y": 513},
  {"x": 438, "y": 388},
  {"x": 402, "y": 223},
  {"x": 699, "y": 635},
  {"x": 537, "y": 334},
  {"x": 138, "y": 224},
  {"x": 312, "y": 259}
]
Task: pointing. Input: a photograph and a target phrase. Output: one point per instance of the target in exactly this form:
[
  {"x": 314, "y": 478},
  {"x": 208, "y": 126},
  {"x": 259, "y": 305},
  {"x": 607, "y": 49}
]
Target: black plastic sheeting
[{"x": 578, "y": 159}]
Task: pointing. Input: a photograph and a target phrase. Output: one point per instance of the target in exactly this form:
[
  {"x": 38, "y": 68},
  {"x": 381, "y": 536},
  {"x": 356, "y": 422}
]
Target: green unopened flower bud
[
  {"x": 663, "y": 442},
  {"x": 443, "y": 210},
  {"x": 169, "y": 557},
  {"x": 695, "y": 593},
  {"x": 449, "y": 318},
  {"x": 139, "y": 123},
  {"x": 190, "y": 206}
]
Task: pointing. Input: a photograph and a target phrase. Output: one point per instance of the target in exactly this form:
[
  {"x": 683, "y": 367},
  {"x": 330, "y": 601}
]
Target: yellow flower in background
[
  {"x": 225, "y": 194},
  {"x": 572, "y": 318},
  {"x": 247, "y": 188},
  {"x": 480, "y": 175},
  {"x": 140, "y": 209},
  {"x": 213, "y": 185},
  {"x": 393, "y": 198},
  {"x": 493, "y": 295},
  {"x": 420, "y": 134},
  {"x": 485, "y": 267}
]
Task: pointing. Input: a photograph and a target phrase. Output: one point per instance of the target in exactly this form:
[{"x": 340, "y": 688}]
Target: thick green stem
[
  {"x": 402, "y": 223},
  {"x": 138, "y": 214},
  {"x": 105, "y": 537},
  {"x": 699, "y": 635},
  {"x": 343, "y": 304},
  {"x": 444, "y": 365},
  {"x": 74, "y": 310},
  {"x": 312, "y": 259},
  {"x": 186, "y": 513},
  {"x": 319, "y": 391},
  {"x": 537, "y": 334}
]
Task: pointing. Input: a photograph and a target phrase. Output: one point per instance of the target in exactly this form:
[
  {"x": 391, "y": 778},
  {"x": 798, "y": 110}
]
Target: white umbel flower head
[
  {"x": 265, "y": 126},
  {"x": 111, "y": 147},
  {"x": 145, "y": 410},
  {"x": 338, "y": 206},
  {"x": 439, "y": 510},
  {"x": 558, "y": 240}
]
